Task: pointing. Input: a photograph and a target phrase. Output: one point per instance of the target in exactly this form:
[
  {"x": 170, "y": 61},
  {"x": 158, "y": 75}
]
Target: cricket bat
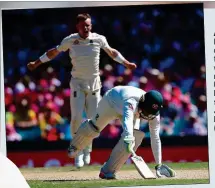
[{"x": 142, "y": 167}]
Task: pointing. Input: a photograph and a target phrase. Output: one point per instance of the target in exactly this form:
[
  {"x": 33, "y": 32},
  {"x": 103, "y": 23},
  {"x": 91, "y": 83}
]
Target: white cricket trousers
[{"x": 85, "y": 95}]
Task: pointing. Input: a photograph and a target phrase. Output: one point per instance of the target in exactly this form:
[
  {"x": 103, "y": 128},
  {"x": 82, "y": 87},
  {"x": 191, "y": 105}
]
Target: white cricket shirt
[
  {"x": 84, "y": 54},
  {"x": 125, "y": 99}
]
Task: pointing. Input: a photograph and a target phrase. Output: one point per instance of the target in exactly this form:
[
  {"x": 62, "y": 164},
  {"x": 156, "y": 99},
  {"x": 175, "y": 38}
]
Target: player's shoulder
[
  {"x": 155, "y": 122},
  {"x": 136, "y": 90},
  {"x": 71, "y": 37},
  {"x": 143, "y": 91},
  {"x": 98, "y": 36}
]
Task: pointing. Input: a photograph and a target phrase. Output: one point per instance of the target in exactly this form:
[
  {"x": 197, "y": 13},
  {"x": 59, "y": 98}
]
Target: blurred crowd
[{"x": 167, "y": 44}]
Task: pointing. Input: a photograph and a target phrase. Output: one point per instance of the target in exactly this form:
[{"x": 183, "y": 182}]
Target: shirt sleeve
[
  {"x": 104, "y": 43},
  {"x": 154, "y": 128},
  {"x": 128, "y": 117},
  {"x": 64, "y": 45}
]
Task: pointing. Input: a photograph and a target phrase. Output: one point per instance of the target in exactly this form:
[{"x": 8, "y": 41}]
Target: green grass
[
  {"x": 202, "y": 165},
  {"x": 111, "y": 183}
]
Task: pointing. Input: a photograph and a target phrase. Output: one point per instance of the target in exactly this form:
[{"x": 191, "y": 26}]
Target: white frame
[{"x": 209, "y": 15}]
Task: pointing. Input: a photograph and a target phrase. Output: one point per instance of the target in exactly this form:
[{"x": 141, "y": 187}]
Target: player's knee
[{"x": 84, "y": 136}]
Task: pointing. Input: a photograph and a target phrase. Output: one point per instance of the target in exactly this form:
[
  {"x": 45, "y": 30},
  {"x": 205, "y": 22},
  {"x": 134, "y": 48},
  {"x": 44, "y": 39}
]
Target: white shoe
[
  {"x": 86, "y": 157},
  {"x": 79, "y": 160}
]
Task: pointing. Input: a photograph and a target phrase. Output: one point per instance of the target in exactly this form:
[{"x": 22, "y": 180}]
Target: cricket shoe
[
  {"x": 79, "y": 162},
  {"x": 107, "y": 176}
]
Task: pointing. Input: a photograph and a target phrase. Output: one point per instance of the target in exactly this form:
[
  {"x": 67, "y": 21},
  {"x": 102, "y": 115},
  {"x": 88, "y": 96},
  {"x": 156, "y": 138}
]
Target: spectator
[
  {"x": 49, "y": 119},
  {"x": 26, "y": 120}
]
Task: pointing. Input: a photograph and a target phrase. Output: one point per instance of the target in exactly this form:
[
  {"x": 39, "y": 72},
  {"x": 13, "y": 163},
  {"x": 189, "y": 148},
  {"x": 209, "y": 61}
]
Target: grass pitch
[
  {"x": 113, "y": 183},
  {"x": 191, "y": 169}
]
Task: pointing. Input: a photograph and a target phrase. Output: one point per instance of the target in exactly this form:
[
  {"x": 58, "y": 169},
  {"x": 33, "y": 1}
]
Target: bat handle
[{"x": 133, "y": 153}]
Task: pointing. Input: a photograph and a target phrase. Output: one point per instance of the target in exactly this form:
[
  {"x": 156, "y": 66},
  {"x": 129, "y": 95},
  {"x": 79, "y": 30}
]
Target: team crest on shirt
[
  {"x": 91, "y": 42},
  {"x": 155, "y": 106},
  {"x": 76, "y": 42}
]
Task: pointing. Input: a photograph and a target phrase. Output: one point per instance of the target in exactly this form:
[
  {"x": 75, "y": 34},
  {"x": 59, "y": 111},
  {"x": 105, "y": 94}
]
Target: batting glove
[
  {"x": 129, "y": 143},
  {"x": 164, "y": 170}
]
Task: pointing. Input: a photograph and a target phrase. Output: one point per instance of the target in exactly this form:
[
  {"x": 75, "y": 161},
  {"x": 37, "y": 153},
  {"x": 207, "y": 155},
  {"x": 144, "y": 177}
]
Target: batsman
[{"x": 131, "y": 105}]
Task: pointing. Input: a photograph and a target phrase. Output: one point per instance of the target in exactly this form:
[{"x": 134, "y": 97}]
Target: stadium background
[{"x": 165, "y": 41}]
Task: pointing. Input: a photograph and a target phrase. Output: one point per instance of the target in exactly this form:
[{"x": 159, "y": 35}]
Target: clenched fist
[
  {"x": 32, "y": 65},
  {"x": 129, "y": 142},
  {"x": 131, "y": 66}
]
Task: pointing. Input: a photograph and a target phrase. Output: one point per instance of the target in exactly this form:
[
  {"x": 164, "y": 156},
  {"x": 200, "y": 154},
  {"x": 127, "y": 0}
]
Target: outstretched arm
[
  {"x": 161, "y": 169},
  {"x": 117, "y": 56},
  {"x": 154, "y": 127},
  {"x": 48, "y": 56}
]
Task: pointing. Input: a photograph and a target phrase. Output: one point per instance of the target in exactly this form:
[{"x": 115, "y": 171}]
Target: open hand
[{"x": 164, "y": 170}]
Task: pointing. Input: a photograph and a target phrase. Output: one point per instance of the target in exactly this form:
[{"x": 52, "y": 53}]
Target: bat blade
[{"x": 142, "y": 167}]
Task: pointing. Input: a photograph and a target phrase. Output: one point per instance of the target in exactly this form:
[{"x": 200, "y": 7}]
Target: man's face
[
  {"x": 144, "y": 115},
  {"x": 84, "y": 27}
]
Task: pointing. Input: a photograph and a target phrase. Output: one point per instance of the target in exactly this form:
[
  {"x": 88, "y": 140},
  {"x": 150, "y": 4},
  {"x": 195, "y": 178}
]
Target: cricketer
[
  {"x": 132, "y": 106},
  {"x": 84, "y": 50}
]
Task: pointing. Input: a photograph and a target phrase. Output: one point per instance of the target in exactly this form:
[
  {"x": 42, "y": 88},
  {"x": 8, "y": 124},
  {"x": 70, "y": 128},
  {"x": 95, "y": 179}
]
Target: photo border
[{"x": 209, "y": 15}]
